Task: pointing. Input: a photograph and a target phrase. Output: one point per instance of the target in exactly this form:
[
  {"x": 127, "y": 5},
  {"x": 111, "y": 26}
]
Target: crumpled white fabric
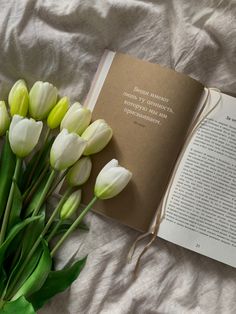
[{"x": 62, "y": 42}]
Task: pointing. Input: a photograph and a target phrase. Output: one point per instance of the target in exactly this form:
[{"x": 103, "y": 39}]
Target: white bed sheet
[{"x": 62, "y": 42}]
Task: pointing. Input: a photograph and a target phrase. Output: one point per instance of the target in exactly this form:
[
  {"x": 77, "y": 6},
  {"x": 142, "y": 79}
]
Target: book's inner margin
[
  {"x": 201, "y": 207},
  {"x": 201, "y": 111}
]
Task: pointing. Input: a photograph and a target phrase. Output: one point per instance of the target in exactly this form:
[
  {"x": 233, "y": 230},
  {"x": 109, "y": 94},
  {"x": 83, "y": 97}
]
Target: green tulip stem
[
  {"x": 74, "y": 225},
  {"x": 30, "y": 191},
  {"x": 38, "y": 241},
  {"x": 10, "y": 200},
  {"x": 39, "y": 155},
  {"x": 54, "y": 230},
  {"x": 58, "y": 181},
  {"x": 2, "y": 302},
  {"x": 45, "y": 192},
  {"x": 57, "y": 210}
]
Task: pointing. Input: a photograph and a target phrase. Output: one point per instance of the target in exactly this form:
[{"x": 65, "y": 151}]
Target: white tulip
[
  {"x": 76, "y": 119},
  {"x": 42, "y": 98},
  {"x": 97, "y": 135},
  {"x": 111, "y": 180},
  {"x": 24, "y": 135},
  {"x": 66, "y": 150},
  {"x": 4, "y": 118},
  {"x": 79, "y": 172},
  {"x": 70, "y": 205}
]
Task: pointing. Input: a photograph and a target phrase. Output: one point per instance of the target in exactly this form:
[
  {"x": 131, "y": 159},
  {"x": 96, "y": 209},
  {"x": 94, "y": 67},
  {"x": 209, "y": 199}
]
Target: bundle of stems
[{"x": 45, "y": 141}]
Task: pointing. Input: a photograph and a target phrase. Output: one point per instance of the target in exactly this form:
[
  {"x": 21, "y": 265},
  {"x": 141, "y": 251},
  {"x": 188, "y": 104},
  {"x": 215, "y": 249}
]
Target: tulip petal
[
  {"x": 111, "y": 180},
  {"x": 76, "y": 119},
  {"x": 24, "y": 135},
  {"x": 18, "y": 99},
  {"x": 42, "y": 98},
  {"x": 98, "y": 135},
  {"x": 66, "y": 150},
  {"x": 57, "y": 113},
  {"x": 4, "y": 118},
  {"x": 111, "y": 164},
  {"x": 80, "y": 172},
  {"x": 71, "y": 205}
]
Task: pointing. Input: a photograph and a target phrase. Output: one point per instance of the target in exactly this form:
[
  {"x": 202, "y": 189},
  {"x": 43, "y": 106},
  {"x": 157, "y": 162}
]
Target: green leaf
[
  {"x": 30, "y": 236},
  {"x": 44, "y": 151},
  {"x": 12, "y": 234},
  {"x": 65, "y": 225},
  {"x": 14, "y": 217},
  {"x": 25, "y": 273},
  {"x": 32, "y": 233},
  {"x": 3, "y": 277},
  {"x": 39, "y": 275},
  {"x": 56, "y": 282},
  {"x": 44, "y": 160},
  {"x": 7, "y": 168},
  {"x": 19, "y": 306},
  {"x": 35, "y": 199}
]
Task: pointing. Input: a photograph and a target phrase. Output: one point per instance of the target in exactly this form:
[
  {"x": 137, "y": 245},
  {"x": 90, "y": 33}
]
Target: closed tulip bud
[
  {"x": 111, "y": 180},
  {"x": 42, "y": 98},
  {"x": 66, "y": 150},
  {"x": 97, "y": 135},
  {"x": 57, "y": 113},
  {"x": 70, "y": 205},
  {"x": 79, "y": 172},
  {"x": 24, "y": 135},
  {"x": 18, "y": 99},
  {"x": 4, "y": 118},
  {"x": 76, "y": 119}
]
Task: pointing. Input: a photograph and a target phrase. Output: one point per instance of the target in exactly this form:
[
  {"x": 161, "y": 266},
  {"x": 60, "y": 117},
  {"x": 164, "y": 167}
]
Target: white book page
[{"x": 200, "y": 211}]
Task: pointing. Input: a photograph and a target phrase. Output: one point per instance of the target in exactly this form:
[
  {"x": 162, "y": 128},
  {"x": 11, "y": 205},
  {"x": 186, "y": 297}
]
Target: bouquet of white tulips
[{"x": 34, "y": 161}]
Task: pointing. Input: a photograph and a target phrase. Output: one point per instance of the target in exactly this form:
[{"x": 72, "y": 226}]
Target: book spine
[{"x": 99, "y": 79}]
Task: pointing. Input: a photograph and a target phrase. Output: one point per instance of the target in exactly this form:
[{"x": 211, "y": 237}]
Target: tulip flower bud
[
  {"x": 76, "y": 119},
  {"x": 70, "y": 205},
  {"x": 24, "y": 135},
  {"x": 111, "y": 180},
  {"x": 18, "y": 99},
  {"x": 57, "y": 113},
  {"x": 97, "y": 135},
  {"x": 79, "y": 172},
  {"x": 4, "y": 118},
  {"x": 42, "y": 98},
  {"x": 66, "y": 150}
]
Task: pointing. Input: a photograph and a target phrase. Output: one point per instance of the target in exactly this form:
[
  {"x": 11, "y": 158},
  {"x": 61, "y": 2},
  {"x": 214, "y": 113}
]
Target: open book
[{"x": 152, "y": 110}]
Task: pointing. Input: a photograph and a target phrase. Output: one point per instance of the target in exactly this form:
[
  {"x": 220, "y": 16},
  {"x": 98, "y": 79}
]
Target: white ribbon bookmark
[{"x": 161, "y": 213}]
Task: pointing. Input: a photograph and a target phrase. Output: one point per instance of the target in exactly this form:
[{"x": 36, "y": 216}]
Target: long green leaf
[
  {"x": 30, "y": 236},
  {"x": 3, "y": 277},
  {"x": 12, "y": 234},
  {"x": 7, "y": 167},
  {"x": 56, "y": 282},
  {"x": 28, "y": 270},
  {"x": 65, "y": 225},
  {"x": 36, "y": 197},
  {"x": 32, "y": 233},
  {"x": 19, "y": 306},
  {"x": 14, "y": 217},
  {"x": 40, "y": 166},
  {"x": 38, "y": 277},
  {"x": 44, "y": 160}
]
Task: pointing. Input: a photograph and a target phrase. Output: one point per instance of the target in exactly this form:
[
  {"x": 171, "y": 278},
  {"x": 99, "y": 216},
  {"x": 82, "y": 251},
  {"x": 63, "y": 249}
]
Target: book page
[
  {"x": 201, "y": 208},
  {"x": 149, "y": 108}
]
